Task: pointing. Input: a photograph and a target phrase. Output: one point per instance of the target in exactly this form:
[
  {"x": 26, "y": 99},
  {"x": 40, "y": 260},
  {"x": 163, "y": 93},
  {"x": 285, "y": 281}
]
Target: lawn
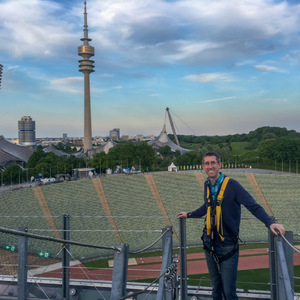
[
  {"x": 239, "y": 148},
  {"x": 248, "y": 280}
]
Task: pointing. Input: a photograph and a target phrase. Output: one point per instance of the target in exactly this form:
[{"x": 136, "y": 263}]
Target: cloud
[
  {"x": 218, "y": 99},
  {"x": 245, "y": 63},
  {"x": 188, "y": 31},
  {"x": 283, "y": 100},
  {"x": 106, "y": 75},
  {"x": 266, "y": 68},
  {"x": 71, "y": 85},
  {"x": 34, "y": 29},
  {"x": 155, "y": 95},
  {"x": 119, "y": 87},
  {"x": 208, "y": 77},
  {"x": 192, "y": 31},
  {"x": 143, "y": 32},
  {"x": 187, "y": 49}
]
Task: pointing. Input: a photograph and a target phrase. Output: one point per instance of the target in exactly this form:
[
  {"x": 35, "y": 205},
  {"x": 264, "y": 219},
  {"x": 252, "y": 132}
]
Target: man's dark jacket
[{"x": 234, "y": 196}]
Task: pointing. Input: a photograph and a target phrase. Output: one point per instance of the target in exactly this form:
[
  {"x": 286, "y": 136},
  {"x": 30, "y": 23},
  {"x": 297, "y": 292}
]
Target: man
[{"x": 223, "y": 197}]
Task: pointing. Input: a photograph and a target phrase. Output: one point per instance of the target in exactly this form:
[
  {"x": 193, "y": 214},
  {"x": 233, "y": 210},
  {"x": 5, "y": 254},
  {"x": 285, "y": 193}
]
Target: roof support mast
[{"x": 172, "y": 126}]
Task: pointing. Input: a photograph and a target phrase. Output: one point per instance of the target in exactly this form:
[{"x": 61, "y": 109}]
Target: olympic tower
[{"x": 86, "y": 66}]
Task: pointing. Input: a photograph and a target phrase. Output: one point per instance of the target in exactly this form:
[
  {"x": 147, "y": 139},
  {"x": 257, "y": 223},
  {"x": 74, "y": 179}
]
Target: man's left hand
[{"x": 275, "y": 228}]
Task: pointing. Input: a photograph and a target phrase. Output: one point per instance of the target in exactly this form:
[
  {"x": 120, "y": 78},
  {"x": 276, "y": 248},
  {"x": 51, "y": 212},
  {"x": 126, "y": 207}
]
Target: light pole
[
  {"x": 1, "y": 71},
  {"x": 234, "y": 156}
]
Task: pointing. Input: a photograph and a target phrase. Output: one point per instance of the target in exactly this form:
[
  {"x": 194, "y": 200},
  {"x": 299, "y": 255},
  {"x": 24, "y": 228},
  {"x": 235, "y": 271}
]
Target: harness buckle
[{"x": 217, "y": 261}]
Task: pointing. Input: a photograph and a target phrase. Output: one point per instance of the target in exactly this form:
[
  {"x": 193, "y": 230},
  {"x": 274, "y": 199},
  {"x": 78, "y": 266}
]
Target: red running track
[{"x": 149, "y": 267}]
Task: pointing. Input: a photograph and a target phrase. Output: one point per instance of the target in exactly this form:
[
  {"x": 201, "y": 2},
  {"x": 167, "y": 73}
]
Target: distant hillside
[{"x": 266, "y": 147}]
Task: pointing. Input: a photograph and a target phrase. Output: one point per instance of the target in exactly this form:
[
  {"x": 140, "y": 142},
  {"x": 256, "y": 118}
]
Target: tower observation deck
[{"x": 86, "y": 66}]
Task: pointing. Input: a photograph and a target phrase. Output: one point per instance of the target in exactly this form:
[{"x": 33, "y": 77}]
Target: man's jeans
[{"x": 223, "y": 282}]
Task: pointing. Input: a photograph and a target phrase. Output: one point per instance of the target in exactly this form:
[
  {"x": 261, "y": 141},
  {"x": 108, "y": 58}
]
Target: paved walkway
[{"x": 149, "y": 267}]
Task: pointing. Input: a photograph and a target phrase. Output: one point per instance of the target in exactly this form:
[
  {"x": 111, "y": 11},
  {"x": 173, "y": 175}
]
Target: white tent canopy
[{"x": 172, "y": 168}]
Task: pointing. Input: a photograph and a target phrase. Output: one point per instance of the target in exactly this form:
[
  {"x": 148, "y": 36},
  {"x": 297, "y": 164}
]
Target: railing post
[
  {"x": 272, "y": 265},
  {"x": 183, "y": 259},
  {"x": 66, "y": 258},
  {"x": 281, "y": 266},
  {"x": 167, "y": 244},
  {"x": 118, "y": 288},
  {"x": 22, "y": 265}
]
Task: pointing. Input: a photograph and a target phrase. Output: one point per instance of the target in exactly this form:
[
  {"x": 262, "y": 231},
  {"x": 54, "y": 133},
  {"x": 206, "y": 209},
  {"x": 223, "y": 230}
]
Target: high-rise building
[
  {"x": 139, "y": 137},
  {"x": 114, "y": 134},
  {"x": 86, "y": 66},
  {"x": 26, "y": 131}
]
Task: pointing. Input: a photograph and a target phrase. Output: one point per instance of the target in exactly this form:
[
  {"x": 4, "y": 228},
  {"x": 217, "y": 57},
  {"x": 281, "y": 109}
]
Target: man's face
[{"x": 211, "y": 167}]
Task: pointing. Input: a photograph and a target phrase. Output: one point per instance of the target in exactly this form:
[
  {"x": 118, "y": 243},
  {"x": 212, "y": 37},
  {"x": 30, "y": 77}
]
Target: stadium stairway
[{"x": 38, "y": 192}]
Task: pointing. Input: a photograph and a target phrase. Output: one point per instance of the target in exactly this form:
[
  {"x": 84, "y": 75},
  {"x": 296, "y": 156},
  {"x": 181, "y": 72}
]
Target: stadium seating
[
  {"x": 20, "y": 209},
  {"x": 137, "y": 211},
  {"x": 134, "y": 208},
  {"x": 79, "y": 200},
  {"x": 181, "y": 192},
  {"x": 282, "y": 194}
]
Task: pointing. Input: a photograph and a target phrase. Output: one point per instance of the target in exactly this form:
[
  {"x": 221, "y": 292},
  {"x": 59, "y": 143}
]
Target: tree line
[{"x": 266, "y": 147}]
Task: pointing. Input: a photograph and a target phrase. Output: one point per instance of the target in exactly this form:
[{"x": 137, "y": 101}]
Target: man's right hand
[{"x": 182, "y": 215}]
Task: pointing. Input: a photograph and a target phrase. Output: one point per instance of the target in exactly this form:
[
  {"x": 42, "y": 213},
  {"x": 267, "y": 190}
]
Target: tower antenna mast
[
  {"x": 172, "y": 126},
  {"x": 86, "y": 66}
]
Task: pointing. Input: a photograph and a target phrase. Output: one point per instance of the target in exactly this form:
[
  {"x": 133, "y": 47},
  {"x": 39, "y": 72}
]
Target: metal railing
[{"x": 280, "y": 258}]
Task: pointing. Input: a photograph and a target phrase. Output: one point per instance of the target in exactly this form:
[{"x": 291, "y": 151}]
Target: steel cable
[
  {"x": 47, "y": 238},
  {"x": 297, "y": 250},
  {"x": 146, "y": 248}
]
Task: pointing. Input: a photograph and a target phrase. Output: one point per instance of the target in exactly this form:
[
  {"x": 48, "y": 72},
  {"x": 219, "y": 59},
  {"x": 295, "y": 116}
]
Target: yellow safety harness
[
  {"x": 218, "y": 211},
  {"x": 214, "y": 220}
]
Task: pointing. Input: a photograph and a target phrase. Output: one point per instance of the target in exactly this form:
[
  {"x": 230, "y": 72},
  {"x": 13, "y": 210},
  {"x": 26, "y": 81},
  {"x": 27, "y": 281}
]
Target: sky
[{"x": 221, "y": 66}]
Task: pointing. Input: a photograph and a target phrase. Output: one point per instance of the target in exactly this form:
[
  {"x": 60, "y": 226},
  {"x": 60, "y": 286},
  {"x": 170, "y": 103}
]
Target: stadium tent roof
[
  {"x": 57, "y": 152},
  {"x": 7, "y": 159},
  {"x": 163, "y": 140},
  {"x": 104, "y": 148},
  {"x": 12, "y": 153}
]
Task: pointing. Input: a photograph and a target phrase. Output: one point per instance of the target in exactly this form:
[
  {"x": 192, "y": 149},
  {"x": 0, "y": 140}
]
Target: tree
[
  {"x": 35, "y": 157},
  {"x": 165, "y": 151},
  {"x": 43, "y": 168},
  {"x": 122, "y": 154},
  {"x": 100, "y": 162},
  {"x": 286, "y": 148},
  {"x": 145, "y": 155},
  {"x": 189, "y": 158},
  {"x": 265, "y": 148},
  {"x": 12, "y": 174}
]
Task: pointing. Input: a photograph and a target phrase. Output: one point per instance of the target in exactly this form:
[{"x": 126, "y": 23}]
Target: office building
[
  {"x": 26, "y": 127},
  {"x": 115, "y": 134}
]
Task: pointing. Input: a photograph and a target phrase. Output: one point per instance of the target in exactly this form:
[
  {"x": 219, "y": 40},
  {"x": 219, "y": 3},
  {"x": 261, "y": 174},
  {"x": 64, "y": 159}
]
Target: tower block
[{"x": 86, "y": 66}]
